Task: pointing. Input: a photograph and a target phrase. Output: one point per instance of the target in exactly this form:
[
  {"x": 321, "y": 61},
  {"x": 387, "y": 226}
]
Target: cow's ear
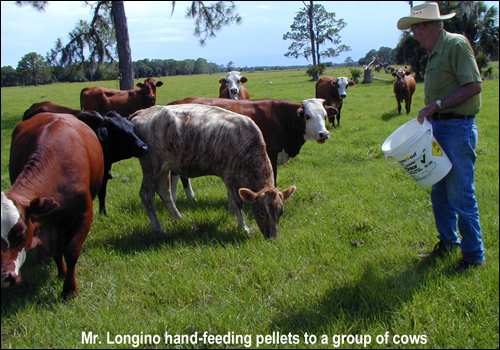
[
  {"x": 40, "y": 207},
  {"x": 394, "y": 74},
  {"x": 331, "y": 111},
  {"x": 140, "y": 85},
  {"x": 243, "y": 80},
  {"x": 351, "y": 83},
  {"x": 223, "y": 81},
  {"x": 300, "y": 112},
  {"x": 247, "y": 195},
  {"x": 102, "y": 133},
  {"x": 288, "y": 192},
  {"x": 158, "y": 84}
]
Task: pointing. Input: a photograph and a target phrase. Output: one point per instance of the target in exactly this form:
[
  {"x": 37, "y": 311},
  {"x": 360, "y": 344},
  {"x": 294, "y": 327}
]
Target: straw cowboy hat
[{"x": 427, "y": 12}]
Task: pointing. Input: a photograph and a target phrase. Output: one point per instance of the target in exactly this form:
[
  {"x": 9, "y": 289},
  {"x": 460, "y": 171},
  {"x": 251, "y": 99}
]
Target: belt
[{"x": 447, "y": 116}]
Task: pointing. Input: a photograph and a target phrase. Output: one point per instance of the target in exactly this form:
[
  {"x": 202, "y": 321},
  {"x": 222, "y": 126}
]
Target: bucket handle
[{"x": 417, "y": 158}]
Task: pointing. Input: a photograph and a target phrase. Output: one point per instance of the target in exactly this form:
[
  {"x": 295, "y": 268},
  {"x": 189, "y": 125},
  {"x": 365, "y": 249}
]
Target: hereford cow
[
  {"x": 123, "y": 102},
  {"x": 196, "y": 140},
  {"x": 404, "y": 87},
  {"x": 333, "y": 91},
  {"x": 56, "y": 168},
  {"x": 115, "y": 133},
  {"x": 285, "y": 125},
  {"x": 231, "y": 87}
]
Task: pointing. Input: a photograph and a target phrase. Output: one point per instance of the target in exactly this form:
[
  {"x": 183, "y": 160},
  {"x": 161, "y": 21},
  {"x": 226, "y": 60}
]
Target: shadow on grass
[
  {"x": 208, "y": 230},
  {"x": 374, "y": 297},
  {"x": 392, "y": 114}
]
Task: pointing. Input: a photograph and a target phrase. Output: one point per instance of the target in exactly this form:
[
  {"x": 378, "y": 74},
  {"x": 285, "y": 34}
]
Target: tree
[
  {"x": 311, "y": 29},
  {"x": 208, "y": 20},
  {"x": 31, "y": 66}
]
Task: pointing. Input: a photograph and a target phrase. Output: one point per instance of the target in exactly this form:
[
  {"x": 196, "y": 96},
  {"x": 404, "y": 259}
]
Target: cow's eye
[{"x": 308, "y": 117}]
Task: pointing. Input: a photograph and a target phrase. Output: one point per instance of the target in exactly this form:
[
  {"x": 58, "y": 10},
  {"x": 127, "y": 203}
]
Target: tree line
[{"x": 33, "y": 69}]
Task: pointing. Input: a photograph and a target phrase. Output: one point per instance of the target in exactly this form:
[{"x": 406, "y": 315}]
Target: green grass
[{"x": 205, "y": 275}]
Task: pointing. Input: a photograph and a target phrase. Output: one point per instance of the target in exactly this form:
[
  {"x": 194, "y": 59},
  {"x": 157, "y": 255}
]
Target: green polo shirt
[{"x": 451, "y": 64}]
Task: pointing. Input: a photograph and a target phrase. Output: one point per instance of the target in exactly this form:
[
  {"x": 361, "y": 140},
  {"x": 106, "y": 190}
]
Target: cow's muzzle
[
  {"x": 10, "y": 279},
  {"x": 323, "y": 136}
]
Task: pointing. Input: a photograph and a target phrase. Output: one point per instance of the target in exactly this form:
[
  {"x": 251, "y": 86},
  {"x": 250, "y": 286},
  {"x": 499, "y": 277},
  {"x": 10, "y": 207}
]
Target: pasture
[{"x": 344, "y": 271}]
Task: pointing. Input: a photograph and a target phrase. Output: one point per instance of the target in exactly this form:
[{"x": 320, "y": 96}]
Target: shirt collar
[{"x": 439, "y": 47}]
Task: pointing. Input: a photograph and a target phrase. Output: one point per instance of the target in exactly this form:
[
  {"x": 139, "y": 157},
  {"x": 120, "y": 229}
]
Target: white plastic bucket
[{"x": 415, "y": 149}]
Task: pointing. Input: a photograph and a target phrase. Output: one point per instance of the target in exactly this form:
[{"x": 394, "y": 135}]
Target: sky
[{"x": 155, "y": 34}]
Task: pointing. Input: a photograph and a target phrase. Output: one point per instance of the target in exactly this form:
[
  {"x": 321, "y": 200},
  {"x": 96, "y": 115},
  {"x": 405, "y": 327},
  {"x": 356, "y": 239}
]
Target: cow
[
  {"x": 115, "y": 133},
  {"x": 56, "y": 168},
  {"x": 123, "y": 102},
  {"x": 231, "y": 86},
  {"x": 285, "y": 125},
  {"x": 333, "y": 91},
  {"x": 196, "y": 140},
  {"x": 404, "y": 87}
]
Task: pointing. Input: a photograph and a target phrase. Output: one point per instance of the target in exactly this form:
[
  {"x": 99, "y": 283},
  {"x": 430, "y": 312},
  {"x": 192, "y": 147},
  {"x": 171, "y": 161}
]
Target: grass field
[{"x": 345, "y": 271}]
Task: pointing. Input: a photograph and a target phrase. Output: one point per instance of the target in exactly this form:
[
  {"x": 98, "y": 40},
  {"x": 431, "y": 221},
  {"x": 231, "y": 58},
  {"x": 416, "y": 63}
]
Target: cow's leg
[
  {"x": 186, "y": 183},
  {"x": 399, "y": 105},
  {"x": 174, "y": 179},
  {"x": 102, "y": 194},
  {"x": 147, "y": 194},
  {"x": 73, "y": 249},
  {"x": 407, "y": 105},
  {"x": 61, "y": 269},
  {"x": 237, "y": 203},
  {"x": 163, "y": 189}
]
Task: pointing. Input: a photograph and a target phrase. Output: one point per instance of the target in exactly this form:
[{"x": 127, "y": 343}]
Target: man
[{"x": 452, "y": 88}]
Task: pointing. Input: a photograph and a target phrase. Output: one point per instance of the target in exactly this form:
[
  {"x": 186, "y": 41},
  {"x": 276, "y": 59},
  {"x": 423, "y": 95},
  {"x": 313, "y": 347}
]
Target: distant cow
[
  {"x": 123, "y": 102},
  {"x": 56, "y": 168},
  {"x": 115, "y": 133},
  {"x": 333, "y": 91},
  {"x": 404, "y": 87},
  {"x": 231, "y": 86},
  {"x": 285, "y": 125},
  {"x": 196, "y": 140}
]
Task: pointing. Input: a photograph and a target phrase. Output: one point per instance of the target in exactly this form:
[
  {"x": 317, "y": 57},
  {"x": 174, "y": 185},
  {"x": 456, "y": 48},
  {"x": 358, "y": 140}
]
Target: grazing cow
[
  {"x": 123, "y": 102},
  {"x": 285, "y": 125},
  {"x": 231, "y": 86},
  {"x": 196, "y": 140},
  {"x": 333, "y": 91},
  {"x": 56, "y": 168},
  {"x": 115, "y": 133},
  {"x": 404, "y": 87}
]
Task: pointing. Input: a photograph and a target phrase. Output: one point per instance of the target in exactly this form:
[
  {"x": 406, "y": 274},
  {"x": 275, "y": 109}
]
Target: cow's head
[
  {"x": 400, "y": 75},
  {"x": 342, "y": 83},
  {"x": 148, "y": 89},
  {"x": 17, "y": 234},
  {"x": 314, "y": 114},
  {"x": 118, "y": 138},
  {"x": 267, "y": 207},
  {"x": 233, "y": 81}
]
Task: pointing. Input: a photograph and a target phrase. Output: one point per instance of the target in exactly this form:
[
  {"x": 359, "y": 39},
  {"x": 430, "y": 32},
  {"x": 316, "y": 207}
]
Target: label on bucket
[{"x": 436, "y": 149}]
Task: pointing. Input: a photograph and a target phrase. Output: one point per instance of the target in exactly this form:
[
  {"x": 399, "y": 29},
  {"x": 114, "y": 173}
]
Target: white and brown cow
[
  {"x": 232, "y": 86},
  {"x": 56, "y": 168},
  {"x": 196, "y": 140},
  {"x": 333, "y": 91}
]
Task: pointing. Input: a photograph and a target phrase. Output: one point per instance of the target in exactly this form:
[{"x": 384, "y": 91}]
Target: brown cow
[
  {"x": 123, "y": 102},
  {"x": 333, "y": 91},
  {"x": 404, "y": 87},
  {"x": 115, "y": 133},
  {"x": 231, "y": 86},
  {"x": 56, "y": 168}
]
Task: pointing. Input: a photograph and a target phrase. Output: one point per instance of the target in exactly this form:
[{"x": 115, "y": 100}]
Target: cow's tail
[{"x": 81, "y": 95}]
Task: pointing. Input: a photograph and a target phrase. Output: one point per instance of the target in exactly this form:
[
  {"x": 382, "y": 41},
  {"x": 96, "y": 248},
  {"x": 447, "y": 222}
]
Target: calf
[
  {"x": 231, "y": 86},
  {"x": 56, "y": 168},
  {"x": 123, "y": 102},
  {"x": 115, "y": 133},
  {"x": 195, "y": 140},
  {"x": 333, "y": 91},
  {"x": 404, "y": 87}
]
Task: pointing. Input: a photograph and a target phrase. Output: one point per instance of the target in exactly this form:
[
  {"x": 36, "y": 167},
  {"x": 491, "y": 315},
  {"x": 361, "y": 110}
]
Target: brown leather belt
[{"x": 447, "y": 116}]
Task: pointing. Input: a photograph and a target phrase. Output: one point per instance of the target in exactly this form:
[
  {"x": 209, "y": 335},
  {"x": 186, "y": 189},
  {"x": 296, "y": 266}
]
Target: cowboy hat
[{"x": 422, "y": 13}]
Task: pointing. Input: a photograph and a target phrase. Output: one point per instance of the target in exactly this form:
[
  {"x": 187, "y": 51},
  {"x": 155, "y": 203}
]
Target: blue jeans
[{"x": 454, "y": 196}]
